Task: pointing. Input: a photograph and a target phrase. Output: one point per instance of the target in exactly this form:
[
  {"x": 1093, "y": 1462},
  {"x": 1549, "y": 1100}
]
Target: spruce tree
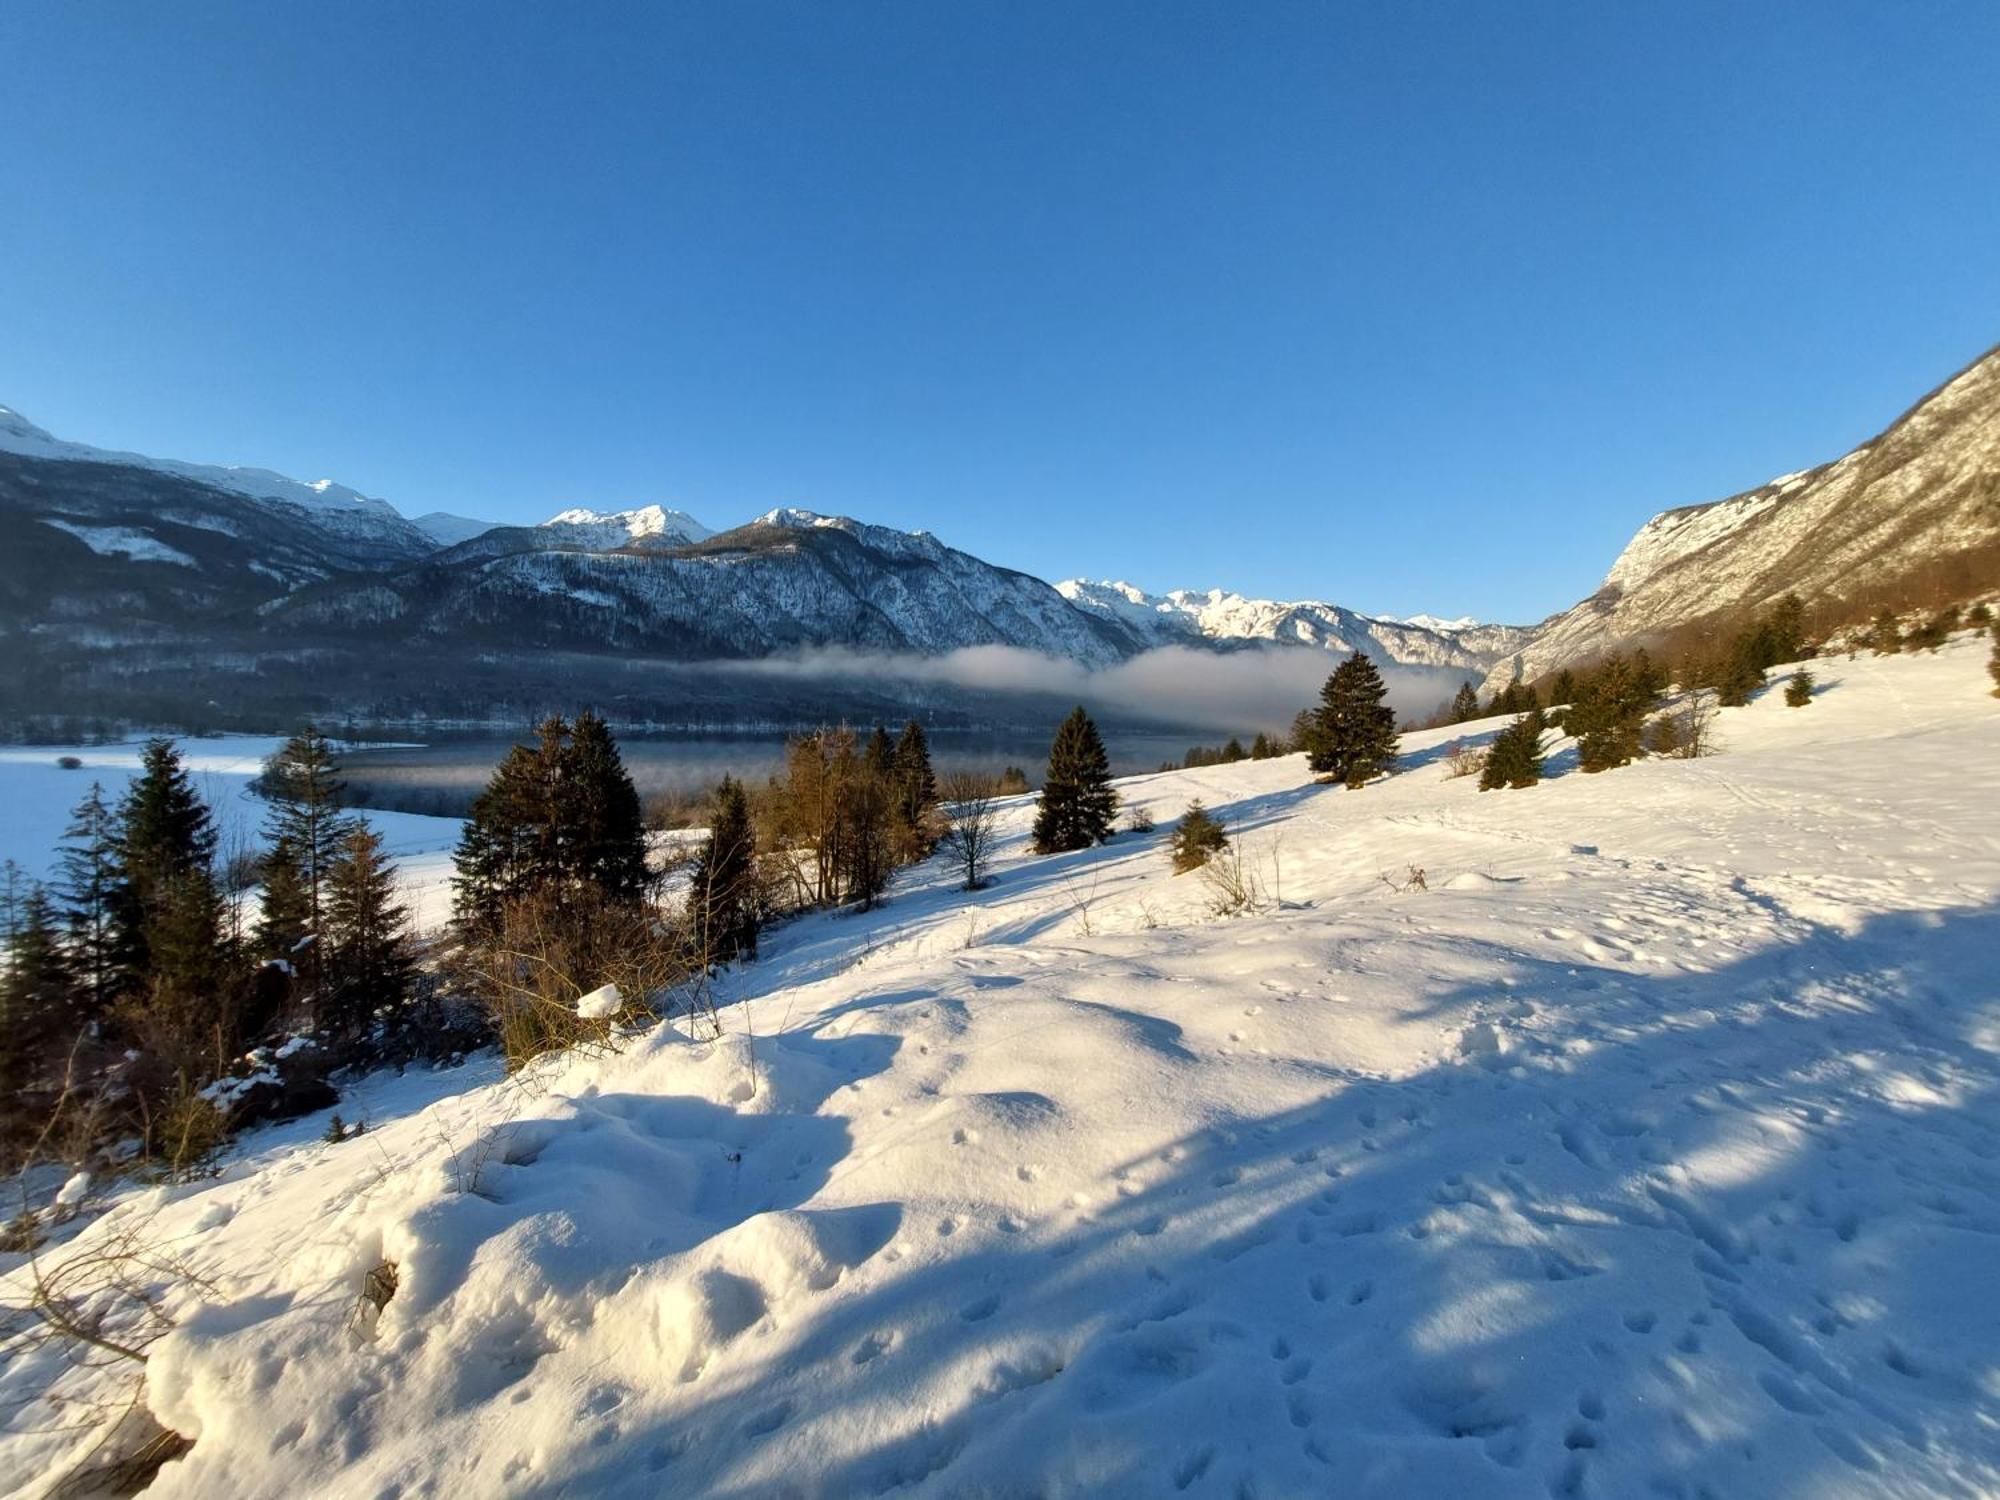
[
  {"x": 165, "y": 838},
  {"x": 916, "y": 787},
  {"x": 1514, "y": 759},
  {"x": 285, "y": 914},
  {"x": 1077, "y": 806},
  {"x": 86, "y": 890},
  {"x": 1993, "y": 663},
  {"x": 722, "y": 897},
  {"x": 1196, "y": 838},
  {"x": 605, "y": 842},
  {"x": 880, "y": 756},
  {"x": 307, "y": 826},
  {"x": 1464, "y": 703},
  {"x": 186, "y": 1010},
  {"x": 368, "y": 960},
  {"x": 1799, "y": 689},
  {"x": 37, "y": 995},
  {"x": 1354, "y": 732},
  {"x": 512, "y": 843},
  {"x": 1261, "y": 747},
  {"x": 1562, "y": 692}
]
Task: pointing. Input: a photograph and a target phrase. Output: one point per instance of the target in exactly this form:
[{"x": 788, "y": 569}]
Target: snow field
[{"x": 1652, "y": 1150}]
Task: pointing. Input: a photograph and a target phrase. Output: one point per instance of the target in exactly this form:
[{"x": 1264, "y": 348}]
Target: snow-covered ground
[
  {"x": 1653, "y": 1149},
  {"x": 37, "y": 795}
]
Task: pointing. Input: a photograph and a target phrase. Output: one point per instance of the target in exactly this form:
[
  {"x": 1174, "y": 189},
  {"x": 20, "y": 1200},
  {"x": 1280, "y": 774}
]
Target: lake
[{"x": 445, "y": 775}]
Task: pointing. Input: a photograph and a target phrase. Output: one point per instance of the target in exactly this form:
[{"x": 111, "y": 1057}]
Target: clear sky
[{"x": 1407, "y": 305}]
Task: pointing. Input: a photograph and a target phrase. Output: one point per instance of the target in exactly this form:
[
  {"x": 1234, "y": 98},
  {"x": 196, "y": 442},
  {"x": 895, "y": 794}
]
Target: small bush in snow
[
  {"x": 1462, "y": 759},
  {"x": 1233, "y": 886},
  {"x": 1139, "y": 820},
  {"x": 1799, "y": 689},
  {"x": 1993, "y": 663},
  {"x": 1197, "y": 839}
]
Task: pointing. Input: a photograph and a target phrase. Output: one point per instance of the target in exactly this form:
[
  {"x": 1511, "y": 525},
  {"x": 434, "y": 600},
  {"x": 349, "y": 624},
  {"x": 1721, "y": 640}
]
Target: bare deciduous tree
[{"x": 969, "y": 801}]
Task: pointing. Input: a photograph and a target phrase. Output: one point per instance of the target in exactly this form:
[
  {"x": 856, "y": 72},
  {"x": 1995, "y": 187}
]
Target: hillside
[
  {"x": 1653, "y": 1149},
  {"x": 1921, "y": 501}
]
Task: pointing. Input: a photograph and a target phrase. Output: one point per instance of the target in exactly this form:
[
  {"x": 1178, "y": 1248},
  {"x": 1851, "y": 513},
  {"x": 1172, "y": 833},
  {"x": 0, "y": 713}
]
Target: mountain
[
  {"x": 1918, "y": 504},
  {"x": 648, "y": 526},
  {"x": 354, "y": 529},
  {"x": 1188, "y": 617}
]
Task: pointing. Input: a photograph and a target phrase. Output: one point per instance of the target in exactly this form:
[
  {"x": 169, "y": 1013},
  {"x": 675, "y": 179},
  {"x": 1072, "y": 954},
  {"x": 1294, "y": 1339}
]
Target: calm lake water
[{"x": 444, "y": 776}]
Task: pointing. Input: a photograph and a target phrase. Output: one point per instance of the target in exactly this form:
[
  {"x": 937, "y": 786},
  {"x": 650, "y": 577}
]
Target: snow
[
  {"x": 1654, "y": 1149},
  {"x": 448, "y": 530},
  {"x": 123, "y": 541},
  {"x": 601, "y": 1004},
  {"x": 617, "y": 528}
]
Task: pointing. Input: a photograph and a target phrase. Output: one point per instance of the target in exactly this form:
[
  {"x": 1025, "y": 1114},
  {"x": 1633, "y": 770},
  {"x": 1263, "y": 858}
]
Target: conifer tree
[
  {"x": 165, "y": 839},
  {"x": 1233, "y": 751},
  {"x": 1609, "y": 715},
  {"x": 306, "y": 825},
  {"x": 1354, "y": 732},
  {"x": 722, "y": 896},
  {"x": 1514, "y": 759},
  {"x": 1993, "y": 663},
  {"x": 368, "y": 960},
  {"x": 880, "y": 756},
  {"x": 864, "y": 820},
  {"x": 1261, "y": 747},
  {"x": 285, "y": 916},
  {"x": 508, "y": 845},
  {"x": 1196, "y": 838},
  {"x": 37, "y": 994},
  {"x": 1562, "y": 692},
  {"x": 1464, "y": 703},
  {"x": 1077, "y": 806},
  {"x": 604, "y": 840},
  {"x": 186, "y": 1011},
  {"x": 916, "y": 788},
  {"x": 1799, "y": 689},
  {"x": 86, "y": 890}
]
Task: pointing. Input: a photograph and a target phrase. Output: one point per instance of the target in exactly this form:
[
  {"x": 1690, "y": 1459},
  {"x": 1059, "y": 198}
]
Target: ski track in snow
[{"x": 1653, "y": 1151}]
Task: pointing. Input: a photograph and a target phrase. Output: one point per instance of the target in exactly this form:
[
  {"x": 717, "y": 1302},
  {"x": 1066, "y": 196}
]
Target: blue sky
[{"x": 1411, "y": 306}]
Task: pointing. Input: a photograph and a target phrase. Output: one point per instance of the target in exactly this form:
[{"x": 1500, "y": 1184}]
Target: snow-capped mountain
[
  {"x": 363, "y": 529},
  {"x": 647, "y": 526},
  {"x": 1216, "y": 616},
  {"x": 1922, "y": 496}
]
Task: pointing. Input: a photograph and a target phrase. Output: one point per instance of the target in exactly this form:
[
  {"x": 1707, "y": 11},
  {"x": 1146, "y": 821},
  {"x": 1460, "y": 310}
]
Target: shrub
[
  {"x": 1197, "y": 838},
  {"x": 1462, "y": 759},
  {"x": 1139, "y": 820},
  {"x": 70, "y": 762},
  {"x": 1799, "y": 689}
]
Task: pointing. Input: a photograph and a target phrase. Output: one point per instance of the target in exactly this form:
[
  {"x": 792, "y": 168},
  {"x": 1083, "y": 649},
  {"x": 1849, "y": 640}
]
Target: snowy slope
[
  {"x": 1925, "y": 490},
  {"x": 1653, "y": 1150},
  {"x": 1189, "y": 616}
]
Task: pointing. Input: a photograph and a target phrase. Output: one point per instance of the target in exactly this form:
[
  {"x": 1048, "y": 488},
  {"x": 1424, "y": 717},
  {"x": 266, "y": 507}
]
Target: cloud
[{"x": 1256, "y": 688}]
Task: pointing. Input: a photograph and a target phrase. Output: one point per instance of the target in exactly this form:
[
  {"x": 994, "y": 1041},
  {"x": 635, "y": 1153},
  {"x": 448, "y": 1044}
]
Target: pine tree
[
  {"x": 1354, "y": 731},
  {"x": 880, "y": 756},
  {"x": 1261, "y": 747},
  {"x": 186, "y": 1012},
  {"x": 368, "y": 960},
  {"x": 916, "y": 789},
  {"x": 1233, "y": 751},
  {"x": 1464, "y": 703},
  {"x": 285, "y": 915},
  {"x": 557, "y": 816},
  {"x": 37, "y": 995},
  {"x": 1799, "y": 689},
  {"x": 1514, "y": 759},
  {"x": 605, "y": 842},
  {"x": 86, "y": 891},
  {"x": 165, "y": 838},
  {"x": 306, "y": 826},
  {"x": 1740, "y": 675},
  {"x": 722, "y": 897},
  {"x": 1609, "y": 715},
  {"x": 1196, "y": 838},
  {"x": 1993, "y": 663},
  {"x": 1562, "y": 692},
  {"x": 1077, "y": 806}
]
